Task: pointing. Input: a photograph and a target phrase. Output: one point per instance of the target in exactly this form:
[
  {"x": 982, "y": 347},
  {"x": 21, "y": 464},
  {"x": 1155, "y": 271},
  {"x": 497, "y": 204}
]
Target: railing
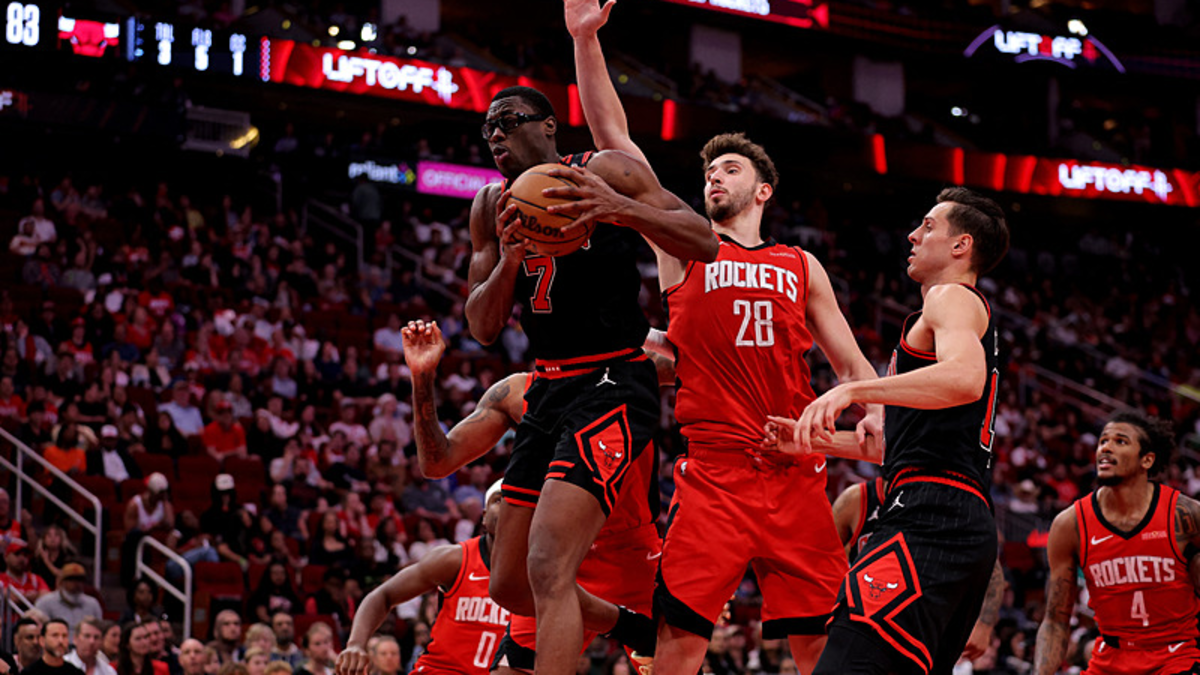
[
  {"x": 349, "y": 230},
  {"x": 1144, "y": 380},
  {"x": 12, "y": 606},
  {"x": 185, "y": 595},
  {"x": 336, "y": 223},
  {"x": 1093, "y": 403},
  {"x": 422, "y": 278},
  {"x": 95, "y": 526}
]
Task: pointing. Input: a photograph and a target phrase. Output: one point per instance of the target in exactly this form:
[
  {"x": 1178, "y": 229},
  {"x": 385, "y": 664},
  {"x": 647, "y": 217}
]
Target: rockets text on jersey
[{"x": 740, "y": 328}]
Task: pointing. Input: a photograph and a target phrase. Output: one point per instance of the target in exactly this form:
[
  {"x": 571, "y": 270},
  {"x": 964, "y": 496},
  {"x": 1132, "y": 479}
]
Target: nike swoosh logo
[
  {"x": 1101, "y": 540},
  {"x": 653, "y": 556},
  {"x": 821, "y": 468},
  {"x": 472, "y": 577},
  {"x": 1175, "y": 648}
]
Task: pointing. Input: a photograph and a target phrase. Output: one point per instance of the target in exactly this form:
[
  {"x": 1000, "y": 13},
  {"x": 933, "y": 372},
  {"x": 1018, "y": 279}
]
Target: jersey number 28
[{"x": 762, "y": 313}]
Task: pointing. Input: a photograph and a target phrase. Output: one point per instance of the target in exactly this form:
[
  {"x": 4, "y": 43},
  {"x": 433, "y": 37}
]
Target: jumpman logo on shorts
[
  {"x": 897, "y": 502},
  {"x": 605, "y": 379}
]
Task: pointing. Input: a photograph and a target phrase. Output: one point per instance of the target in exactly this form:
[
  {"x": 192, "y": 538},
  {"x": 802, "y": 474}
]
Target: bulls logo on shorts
[
  {"x": 604, "y": 446},
  {"x": 879, "y": 587}
]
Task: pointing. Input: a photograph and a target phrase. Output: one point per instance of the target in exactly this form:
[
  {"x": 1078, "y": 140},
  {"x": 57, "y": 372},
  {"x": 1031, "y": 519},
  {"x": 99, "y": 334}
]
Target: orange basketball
[{"x": 543, "y": 230}]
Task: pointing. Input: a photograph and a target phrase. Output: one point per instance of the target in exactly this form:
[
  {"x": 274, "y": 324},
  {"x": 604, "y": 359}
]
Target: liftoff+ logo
[
  {"x": 1109, "y": 179},
  {"x": 389, "y": 75}
]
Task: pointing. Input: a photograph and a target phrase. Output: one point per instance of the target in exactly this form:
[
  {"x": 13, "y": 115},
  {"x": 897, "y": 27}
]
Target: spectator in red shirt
[
  {"x": 11, "y": 406},
  {"x": 156, "y": 300},
  {"x": 224, "y": 436},
  {"x": 18, "y": 577},
  {"x": 141, "y": 329}
]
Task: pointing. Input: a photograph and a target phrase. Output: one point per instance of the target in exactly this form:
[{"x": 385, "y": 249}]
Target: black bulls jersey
[
  {"x": 956, "y": 440},
  {"x": 585, "y": 302}
]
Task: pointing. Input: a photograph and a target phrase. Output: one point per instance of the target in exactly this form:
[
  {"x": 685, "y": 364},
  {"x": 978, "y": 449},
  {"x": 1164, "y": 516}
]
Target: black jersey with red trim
[
  {"x": 954, "y": 440},
  {"x": 870, "y": 495},
  {"x": 585, "y": 302}
]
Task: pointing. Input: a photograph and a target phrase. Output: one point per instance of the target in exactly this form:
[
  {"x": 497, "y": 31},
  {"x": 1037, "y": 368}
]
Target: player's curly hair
[
  {"x": 739, "y": 144},
  {"x": 1155, "y": 435}
]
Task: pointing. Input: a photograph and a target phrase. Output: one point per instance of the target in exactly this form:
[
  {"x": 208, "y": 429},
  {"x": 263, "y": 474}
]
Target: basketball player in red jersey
[
  {"x": 469, "y": 625},
  {"x": 596, "y": 407},
  {"x": 856, "y": 512},
  {"x": 739, "y": 327},
  {"x": 912, "y": 596},
  {"x": 1136, "y": 541},
  {"x": 620, "y": 565}
]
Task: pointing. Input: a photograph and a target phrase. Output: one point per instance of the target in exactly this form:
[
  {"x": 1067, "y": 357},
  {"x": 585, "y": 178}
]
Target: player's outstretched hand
[
  {"x": 593, "y": 199},
  {"x": 423, "y": 346},
  {"x": 586, "y": 17},
  {"x": 780, "y": 436},
  {"x": 353, "y": 661},
  {"x": 819, "y": 419}
]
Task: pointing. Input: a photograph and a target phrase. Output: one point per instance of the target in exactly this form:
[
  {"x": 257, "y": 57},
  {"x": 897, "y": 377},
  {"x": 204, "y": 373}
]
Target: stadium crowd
[{"x": 233, "y": 387}]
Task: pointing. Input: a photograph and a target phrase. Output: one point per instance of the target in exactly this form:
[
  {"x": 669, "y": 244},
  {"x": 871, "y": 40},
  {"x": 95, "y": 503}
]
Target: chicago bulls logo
[
  {"x": 880, "y": 586},
  {"x": 876, "y": 589},
  {"x": 604, "y": 446}
]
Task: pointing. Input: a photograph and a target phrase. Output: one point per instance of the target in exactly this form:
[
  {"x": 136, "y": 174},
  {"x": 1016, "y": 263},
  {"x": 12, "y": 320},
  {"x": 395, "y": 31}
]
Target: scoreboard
[{"x": 44, "y": 27}]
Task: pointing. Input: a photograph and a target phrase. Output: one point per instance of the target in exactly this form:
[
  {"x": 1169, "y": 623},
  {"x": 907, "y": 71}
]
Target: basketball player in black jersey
[
  {"x": 856, "y": 512},
  {"x": 594, "y": 406},
  {"x": 909, "y": 601}
]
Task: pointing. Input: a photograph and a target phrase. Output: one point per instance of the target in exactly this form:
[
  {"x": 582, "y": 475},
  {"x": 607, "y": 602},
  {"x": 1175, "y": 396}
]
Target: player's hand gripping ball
[{"x": 541, "y": 230}]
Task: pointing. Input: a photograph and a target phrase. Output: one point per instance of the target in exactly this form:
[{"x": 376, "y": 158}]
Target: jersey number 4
[
  {"x": 543, "y": 268},
  {"x": 763, "y": 315},
  {"x": 1137, "y": 610}
]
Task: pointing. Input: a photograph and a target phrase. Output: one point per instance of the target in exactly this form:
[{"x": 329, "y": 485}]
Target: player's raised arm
[
  {"x": 1061, "y": 593},
  {"x": 496, "y": 257},
  {"x": 601, "y": 106},
  {"x": 442, "y": 454},
  {"x": 615, "y": 187},
  {"x": 438, "y": 569}
]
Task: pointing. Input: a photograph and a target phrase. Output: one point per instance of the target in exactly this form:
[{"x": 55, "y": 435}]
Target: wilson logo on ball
[{"x": 541, "y": 229}]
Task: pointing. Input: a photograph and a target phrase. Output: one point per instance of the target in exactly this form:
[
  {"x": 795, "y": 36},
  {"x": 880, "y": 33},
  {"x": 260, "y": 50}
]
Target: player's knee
[
  {"x": 549, "y": 572},
  {"x": 511, "y": 594}
]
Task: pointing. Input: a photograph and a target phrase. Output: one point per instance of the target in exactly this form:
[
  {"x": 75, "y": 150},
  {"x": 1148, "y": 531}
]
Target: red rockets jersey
[
  {"x": 739, "y": 326},
  {"x": 1138, "y": 583},
  {"x": 469, "y": 624}
]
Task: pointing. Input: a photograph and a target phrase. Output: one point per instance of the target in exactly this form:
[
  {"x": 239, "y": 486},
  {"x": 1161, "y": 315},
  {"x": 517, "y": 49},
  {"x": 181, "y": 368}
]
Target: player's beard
[
  {"x": 733, "y": 205},
  {"x": 1112, "y": 480}
]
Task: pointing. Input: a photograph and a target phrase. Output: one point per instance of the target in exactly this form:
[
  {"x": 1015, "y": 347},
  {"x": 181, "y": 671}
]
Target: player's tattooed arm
[
  {"x": 990, "y": 612},
  {"x": 472, "y": 438},
  {"x": 1062, "y": 592},
  {"x": 1187, "y": 535}
]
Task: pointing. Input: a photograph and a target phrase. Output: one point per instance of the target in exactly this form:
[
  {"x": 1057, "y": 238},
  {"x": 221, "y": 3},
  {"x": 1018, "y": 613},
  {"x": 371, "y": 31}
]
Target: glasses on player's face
[{"x": 508, "y": 122}]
